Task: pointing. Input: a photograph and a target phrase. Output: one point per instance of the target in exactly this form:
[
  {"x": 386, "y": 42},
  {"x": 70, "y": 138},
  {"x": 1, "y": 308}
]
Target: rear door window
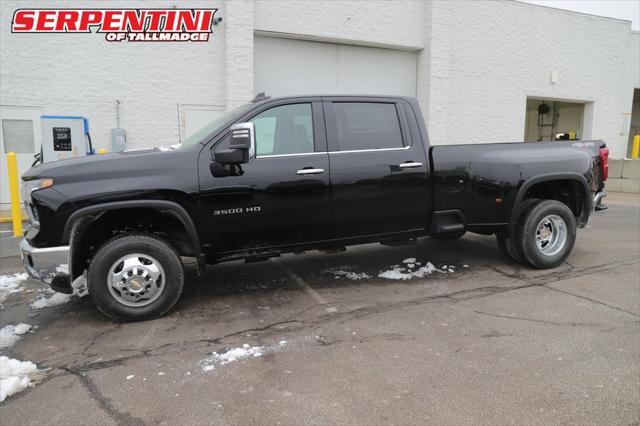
[{"x": 366, "y": 126}]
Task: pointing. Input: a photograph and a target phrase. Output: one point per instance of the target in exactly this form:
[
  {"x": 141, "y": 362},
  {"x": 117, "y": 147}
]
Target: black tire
[
  {"x": 507, "y": 247},
  {"x": 506, "y": 241},
  {"x": 527, "y": 229},
  {"x": 448, "y": 237},
  {"x": 119, "y": 247}
]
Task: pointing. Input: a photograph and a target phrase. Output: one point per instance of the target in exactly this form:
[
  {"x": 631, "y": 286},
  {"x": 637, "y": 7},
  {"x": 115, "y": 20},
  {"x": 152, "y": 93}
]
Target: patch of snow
[
  {"x": 465, "y": 266},
  {"x": 238, "y": 354},
  {"x": 10, "y": 284},
  {"x": 21, "y": 328},
  {"x": 400, "y": 273},
  {"x": 409, "y": 260},
  {"x": 79, "y": 286},
  {"x": 55, "y": 300},
  {"x": 353, "y": 276},
  {"x": 10, "y": 334},
  {"x": 15, "y": 376},
  {"x": 131, "y": 376}
]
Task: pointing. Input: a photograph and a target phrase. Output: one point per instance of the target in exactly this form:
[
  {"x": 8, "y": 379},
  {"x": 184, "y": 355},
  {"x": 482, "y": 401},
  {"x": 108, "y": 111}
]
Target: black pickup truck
[{"x": 289, "y": 175}]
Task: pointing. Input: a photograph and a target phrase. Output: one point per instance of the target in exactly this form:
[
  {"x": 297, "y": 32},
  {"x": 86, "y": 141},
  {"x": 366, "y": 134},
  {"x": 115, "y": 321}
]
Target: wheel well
[
  {"x": 569, "y": 192},
  {"x": 90, "y": 232}
]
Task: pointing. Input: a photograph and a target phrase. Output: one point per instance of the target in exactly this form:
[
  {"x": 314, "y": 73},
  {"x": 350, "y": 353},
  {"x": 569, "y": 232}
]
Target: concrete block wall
[{"x": 624, "y": 176}]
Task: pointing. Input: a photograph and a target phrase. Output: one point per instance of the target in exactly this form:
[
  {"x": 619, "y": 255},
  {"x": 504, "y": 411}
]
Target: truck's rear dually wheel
[
  {"x": 545, "y": 234},
  {"x": 135, "y": 277}
]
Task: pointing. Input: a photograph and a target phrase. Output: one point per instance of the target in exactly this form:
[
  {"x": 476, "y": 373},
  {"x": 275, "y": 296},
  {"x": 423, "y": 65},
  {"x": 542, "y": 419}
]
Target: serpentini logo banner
[{"x": 118, "y": 25}]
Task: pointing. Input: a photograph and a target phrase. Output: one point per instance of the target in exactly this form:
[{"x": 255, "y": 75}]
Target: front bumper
[{"x": 44, "y": 263}]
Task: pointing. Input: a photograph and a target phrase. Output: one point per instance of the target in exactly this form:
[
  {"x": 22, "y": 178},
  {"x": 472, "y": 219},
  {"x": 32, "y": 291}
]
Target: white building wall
[
  {"x": 500, "y": 52},
  {"x": 238, "y": 58},
  {"x": 634, "y": 60},
  {"x": 83, "y": 74},
  {"x": 477, "y": 63},
  {"x": 387, "y": 23}
]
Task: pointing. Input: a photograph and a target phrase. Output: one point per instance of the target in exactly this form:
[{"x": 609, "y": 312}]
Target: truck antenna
[{"x": 261, "y": 97}]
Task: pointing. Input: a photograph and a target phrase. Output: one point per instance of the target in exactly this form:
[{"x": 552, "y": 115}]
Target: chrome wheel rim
[
  {"x": 551, "y": 235},
  {"x": 136, "y": 280}
]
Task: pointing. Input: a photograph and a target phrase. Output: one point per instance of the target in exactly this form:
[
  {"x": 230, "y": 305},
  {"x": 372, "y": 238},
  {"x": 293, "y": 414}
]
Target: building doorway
[{"x": 552, "y": 120}]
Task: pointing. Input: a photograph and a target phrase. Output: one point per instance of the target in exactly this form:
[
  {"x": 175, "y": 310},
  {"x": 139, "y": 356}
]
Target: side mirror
[{"x": 242, "y": 147}]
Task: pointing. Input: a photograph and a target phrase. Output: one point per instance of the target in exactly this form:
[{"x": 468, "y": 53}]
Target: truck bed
[{"x": 483, "y": 180}]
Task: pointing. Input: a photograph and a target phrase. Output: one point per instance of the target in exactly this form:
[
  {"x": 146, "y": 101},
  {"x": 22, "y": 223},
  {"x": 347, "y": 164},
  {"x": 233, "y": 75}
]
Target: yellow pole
[
  {"x": 636, "y": 147},
  {"x": 102, "y": 151},
  {"x": 14, "y": 192}
]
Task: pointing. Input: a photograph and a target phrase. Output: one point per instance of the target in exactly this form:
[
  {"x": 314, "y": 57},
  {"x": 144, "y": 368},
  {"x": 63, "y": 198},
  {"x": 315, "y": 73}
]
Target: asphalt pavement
[{"x": 480, "y": 340}]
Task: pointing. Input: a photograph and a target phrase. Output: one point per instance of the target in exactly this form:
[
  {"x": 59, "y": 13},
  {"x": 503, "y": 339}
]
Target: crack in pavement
[
  {"x": 382, "y": 337},
  {"x": 124, "y": 419},
  {"x": 97, "y": 336},
  {"x": 166, "y": 348},
  {"x": 572, "y": 272},
  {"x": 599, "y": 302},
  {"x": 294, "y": 325},
  {"x": 559, "y": 323}
]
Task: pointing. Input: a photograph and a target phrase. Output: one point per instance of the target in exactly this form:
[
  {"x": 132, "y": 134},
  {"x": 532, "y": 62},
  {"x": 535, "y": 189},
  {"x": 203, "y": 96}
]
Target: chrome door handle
[
  {"x": 410, "y": 165},
  {"x": 309, "y": 171}
]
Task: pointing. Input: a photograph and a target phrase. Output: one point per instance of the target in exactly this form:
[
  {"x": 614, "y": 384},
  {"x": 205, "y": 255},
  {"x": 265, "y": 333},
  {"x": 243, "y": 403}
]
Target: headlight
[{"x": 28, "y": 186}]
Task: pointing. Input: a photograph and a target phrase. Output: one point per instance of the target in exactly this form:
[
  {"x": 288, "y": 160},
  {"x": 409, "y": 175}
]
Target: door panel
[
  {"x": 384, "y": 189},
  {"x": 286, "y": 67},
  {"x": 282, "y": 197}
]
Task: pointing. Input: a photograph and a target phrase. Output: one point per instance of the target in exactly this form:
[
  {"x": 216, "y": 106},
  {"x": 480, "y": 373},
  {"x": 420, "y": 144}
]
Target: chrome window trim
[
  {"x": 290, "y": 155},
  {"x": 404, "y": 148}
]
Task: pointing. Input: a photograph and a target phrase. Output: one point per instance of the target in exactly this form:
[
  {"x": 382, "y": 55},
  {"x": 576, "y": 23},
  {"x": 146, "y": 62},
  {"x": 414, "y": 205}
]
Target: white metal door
[
  {"x": 20, "y": 132},
  {"x": 294, "y": 67}
]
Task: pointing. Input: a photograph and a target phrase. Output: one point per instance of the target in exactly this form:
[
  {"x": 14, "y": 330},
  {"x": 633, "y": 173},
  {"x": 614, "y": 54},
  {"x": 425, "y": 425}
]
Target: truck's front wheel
[{"x": 135, "y": 278}]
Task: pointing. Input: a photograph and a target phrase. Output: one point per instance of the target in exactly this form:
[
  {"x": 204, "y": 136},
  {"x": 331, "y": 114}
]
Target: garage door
[{"x": 285, "y": 67}]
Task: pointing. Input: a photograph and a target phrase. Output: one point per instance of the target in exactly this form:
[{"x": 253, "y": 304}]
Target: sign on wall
[{"x": 136, "y": 25}]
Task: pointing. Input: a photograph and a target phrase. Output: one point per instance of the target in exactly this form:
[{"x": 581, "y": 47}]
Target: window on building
[
  {"x": 18, "y": 136},
  {"x": 286, "y": 129},
  {"x": 362, "y": 125}
]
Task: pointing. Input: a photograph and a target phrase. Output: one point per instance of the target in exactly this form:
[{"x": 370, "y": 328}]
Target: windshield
[{"x": 215, "y": 125}]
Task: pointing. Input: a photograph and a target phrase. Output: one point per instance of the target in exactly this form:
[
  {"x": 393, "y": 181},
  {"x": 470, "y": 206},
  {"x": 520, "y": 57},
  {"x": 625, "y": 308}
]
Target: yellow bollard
[
  {"x": 102, "y": 151},
  {"x": 14, "y": 191},
  {"x": 636, "y": 147}
]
